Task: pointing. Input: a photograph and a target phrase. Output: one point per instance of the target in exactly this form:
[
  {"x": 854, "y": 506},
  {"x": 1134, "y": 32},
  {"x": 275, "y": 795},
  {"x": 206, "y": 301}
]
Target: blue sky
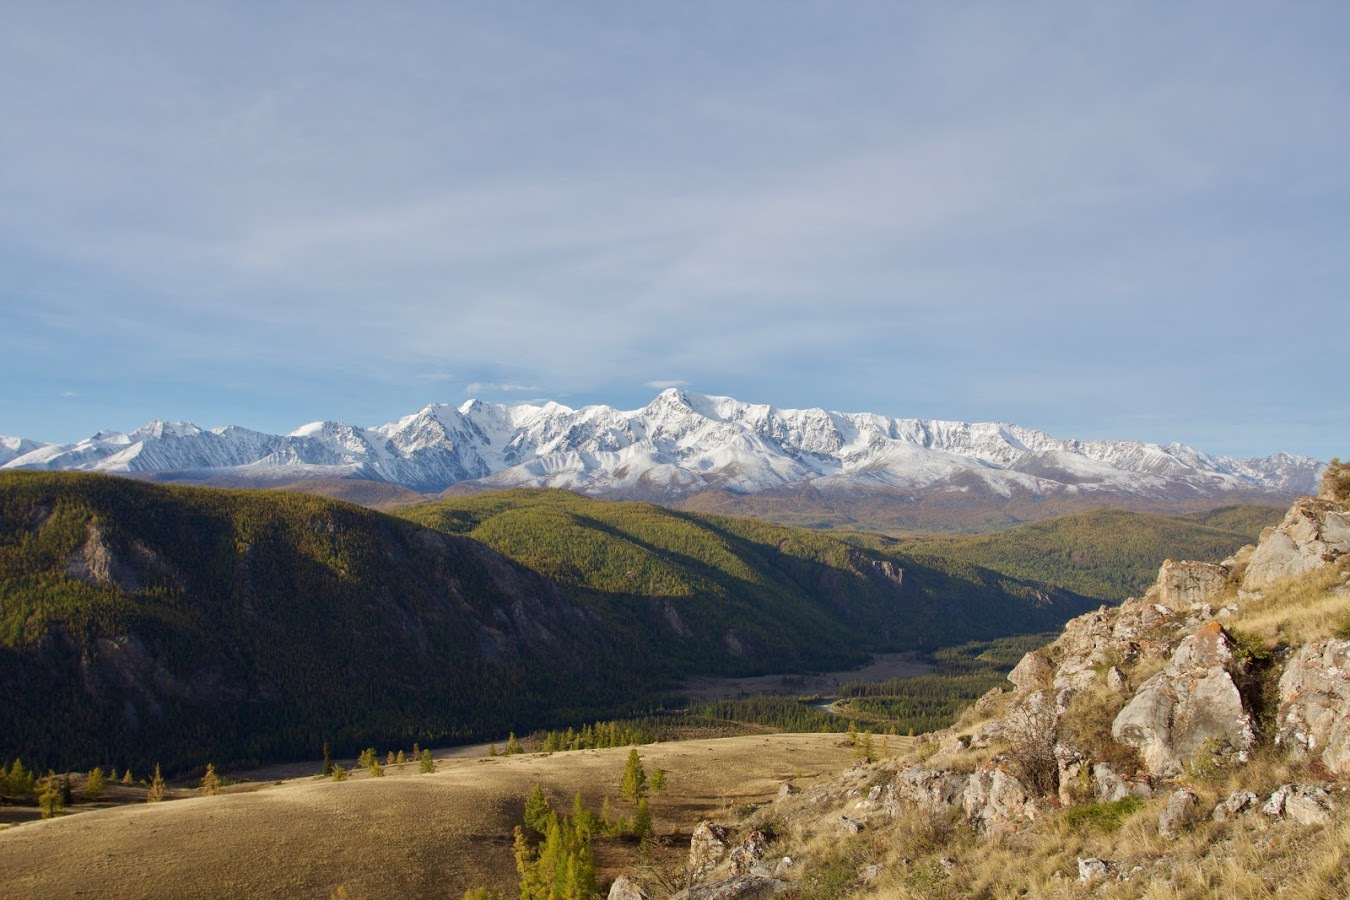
[{"x": 1120, "y": 220}]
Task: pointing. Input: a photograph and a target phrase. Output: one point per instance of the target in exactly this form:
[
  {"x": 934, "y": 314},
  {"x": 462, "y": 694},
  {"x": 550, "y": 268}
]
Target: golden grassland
[{"x": 404, "y": 835}]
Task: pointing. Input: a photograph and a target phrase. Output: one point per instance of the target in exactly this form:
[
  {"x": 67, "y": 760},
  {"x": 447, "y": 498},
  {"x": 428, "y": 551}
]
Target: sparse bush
[
  {"x": 1031, "y": 748},
  {"x": 338, "y": 773},
  {"x": 1336, "y": 482}
]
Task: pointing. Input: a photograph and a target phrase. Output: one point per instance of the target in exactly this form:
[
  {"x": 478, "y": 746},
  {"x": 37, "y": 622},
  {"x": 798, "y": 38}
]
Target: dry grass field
[{"x": 404, "y": 835}]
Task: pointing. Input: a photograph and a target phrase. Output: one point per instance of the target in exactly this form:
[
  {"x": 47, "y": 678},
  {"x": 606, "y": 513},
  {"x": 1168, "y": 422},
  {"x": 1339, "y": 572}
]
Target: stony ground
[{"x": 400, "y": 836}]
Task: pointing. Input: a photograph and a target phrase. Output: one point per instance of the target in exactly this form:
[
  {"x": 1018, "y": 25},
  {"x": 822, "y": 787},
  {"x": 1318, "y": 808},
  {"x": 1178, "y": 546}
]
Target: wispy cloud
[
  {"x": 662, "y": 385},
  {"x": 487, "y": 387}
]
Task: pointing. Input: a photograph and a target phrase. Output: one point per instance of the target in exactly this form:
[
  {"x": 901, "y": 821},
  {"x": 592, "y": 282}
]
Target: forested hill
[
  {"x": 143, "y": 623},
  {"x": 768, "y": 582}
]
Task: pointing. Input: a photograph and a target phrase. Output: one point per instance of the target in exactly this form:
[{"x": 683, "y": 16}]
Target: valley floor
[{"x": 403, "y": 835}]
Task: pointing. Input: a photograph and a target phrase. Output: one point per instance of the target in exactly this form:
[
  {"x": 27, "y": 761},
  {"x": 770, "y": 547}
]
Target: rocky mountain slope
[
  {"x": 684, "y": 444},
  {"x": 1194, "y": 742}
]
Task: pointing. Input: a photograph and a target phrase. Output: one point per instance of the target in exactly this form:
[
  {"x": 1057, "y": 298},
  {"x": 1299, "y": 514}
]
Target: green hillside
[
  {"x": 143, "y": 622},
  {"x": 1108, "y": 554}
]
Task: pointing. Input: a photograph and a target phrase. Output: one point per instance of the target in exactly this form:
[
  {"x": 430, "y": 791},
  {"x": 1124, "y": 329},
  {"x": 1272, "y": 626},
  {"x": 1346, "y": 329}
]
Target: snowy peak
[{"x": 679, "y": 444}]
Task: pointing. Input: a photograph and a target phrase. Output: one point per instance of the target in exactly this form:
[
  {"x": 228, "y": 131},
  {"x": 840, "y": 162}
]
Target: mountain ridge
[{"x": 682, "y": 445}]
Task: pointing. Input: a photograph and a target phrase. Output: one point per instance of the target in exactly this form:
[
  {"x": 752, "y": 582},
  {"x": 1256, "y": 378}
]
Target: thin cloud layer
[{"x": 1096, "y": 221}]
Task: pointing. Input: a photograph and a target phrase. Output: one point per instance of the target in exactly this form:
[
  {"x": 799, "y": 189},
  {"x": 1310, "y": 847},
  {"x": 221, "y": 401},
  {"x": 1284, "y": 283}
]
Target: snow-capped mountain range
[{"x": 680, "y": 444}]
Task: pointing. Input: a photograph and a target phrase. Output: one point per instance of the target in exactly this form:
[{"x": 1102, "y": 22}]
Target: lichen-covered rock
[
  {"x": 1234, "y": 805},
  {"x": 1115, "y": 680},
  {"x": 625, "y": 888},
  {"x": 1110, "y": 787},
  {"x": 1182, "y": 585},
  {"x": 1192, "y": 705},
  {"x": 995, "y": 799},
  {"x": 707, "y": 846},
  {"x": 1314, "y": 713},
  {"x": 1313, "y": 534},
  {"x": 1032, "y": 673},
  {"x": 742, "y": 887},
  {"x": 1303, "y": 804},
  {"x": 1182, "y": 808}
]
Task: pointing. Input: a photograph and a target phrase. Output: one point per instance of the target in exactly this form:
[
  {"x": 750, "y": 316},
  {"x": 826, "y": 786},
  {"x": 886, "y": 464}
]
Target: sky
[{"x": 1102, "y": 220}]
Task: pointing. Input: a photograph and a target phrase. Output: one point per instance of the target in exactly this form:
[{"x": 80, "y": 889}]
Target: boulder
[
  {"x": 1182, "y": 808},
  {"x": 850, "y": 826},
  {"x": 1110, "y": 787},
  {"x": 1032, "y": 673},
  {"x": 1314, "y": 711},
  {"x": 1191, "y": 705},
  {"x": 1182, "y": 585},
  {"x": 1115, "y": 680},
  {"x": 742, "y": 887},
  {"x": 1303, "y": 804},
  {"x": 1313, "y": 534},
  {"x": 1234, "y": 805},
  {"x": 994, "y": 799},
  {"x": 707, "y": 846},
  {"x": 625, "y": 888}
]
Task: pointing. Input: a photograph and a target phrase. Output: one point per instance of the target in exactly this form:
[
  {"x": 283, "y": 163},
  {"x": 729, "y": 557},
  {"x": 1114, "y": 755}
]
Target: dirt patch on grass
[{"x": 402, "y": 835}]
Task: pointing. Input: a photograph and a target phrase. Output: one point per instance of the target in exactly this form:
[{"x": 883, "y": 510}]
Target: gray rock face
[
  {"x": 750, "y": 853},
  {"x": 1110, "y": 787},
  {"x": 1192, "y": 704},
  {"x": 1313, "y": 534},
  {"x": 1032, "y": 673},
  {"x": 995, "y": 799},
  {"x": 1304, "y": 804},
  {"x": 1314, "y": 714},
  {"x": 743, "y": 887},
  {"x": 1180, "y": 811},
  {"x": 1184, "y": 584},
  {"x": 625, "y": 888}
]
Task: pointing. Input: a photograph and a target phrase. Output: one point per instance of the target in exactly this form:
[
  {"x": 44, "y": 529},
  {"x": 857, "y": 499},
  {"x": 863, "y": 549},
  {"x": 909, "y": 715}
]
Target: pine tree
[
  {"x": 49, "y": 798},
  {"x": 327, "y": 761},
  {"x": 156, "y": 790},
  {"x": 367, "y": 758},
  {"x": 126, "y": 777},
  {"x": 537, "y": 811},
  {"x": 492, "y": 750},
  {"x": 210, "y": 781},
  {"x": 634, "y": 785},
  {"x": 400, "y": 759},
  {"x": 425, "y": 763},
  {"x": 66, "y": 798},
  {"x": 94, "y": 784},
  {"x": 389, "y": 758},
  {"x": 642, "y": 822},
  {"x": 513, "y": 745},
  {"x": 864, "y": 749},
  {"x": 659, "y": 780}
]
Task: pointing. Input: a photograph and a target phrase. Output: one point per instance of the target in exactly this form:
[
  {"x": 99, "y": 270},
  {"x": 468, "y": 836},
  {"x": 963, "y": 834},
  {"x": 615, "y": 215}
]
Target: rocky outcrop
[
  {"x": 929, "y": 789},
  {"x": 1192, "y": 705},
  {"x": 743, "y": 887},
  {"x": 1234, "y": 805},
  {"x": 1182, "y": 585},
  {"x": 1314, "y": 533},
  {"x": 1314, "y": 713}
]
